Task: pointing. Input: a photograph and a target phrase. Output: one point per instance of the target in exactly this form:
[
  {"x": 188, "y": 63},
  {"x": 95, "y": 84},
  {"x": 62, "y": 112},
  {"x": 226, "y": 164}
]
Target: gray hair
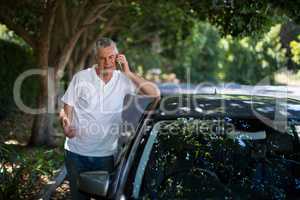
[{"x": 104, "y": 42}]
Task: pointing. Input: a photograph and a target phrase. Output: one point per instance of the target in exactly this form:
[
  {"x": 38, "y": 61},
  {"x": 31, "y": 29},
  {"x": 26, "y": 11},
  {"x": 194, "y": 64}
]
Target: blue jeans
[{"x": 76, "y": 164}]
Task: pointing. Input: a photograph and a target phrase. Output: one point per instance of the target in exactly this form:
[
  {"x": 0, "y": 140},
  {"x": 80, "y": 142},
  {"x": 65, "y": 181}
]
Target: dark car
[{"x": 205, "y": 147}]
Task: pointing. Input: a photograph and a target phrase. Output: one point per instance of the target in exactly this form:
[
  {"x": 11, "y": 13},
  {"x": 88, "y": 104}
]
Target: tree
[
  {"x": 61, "y": 33},
  {"x": 52, "y": 28}
]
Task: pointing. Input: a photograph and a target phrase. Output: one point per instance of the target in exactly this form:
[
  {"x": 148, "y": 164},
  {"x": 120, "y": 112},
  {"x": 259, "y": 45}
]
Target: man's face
[{"x": 106, "y": 58}]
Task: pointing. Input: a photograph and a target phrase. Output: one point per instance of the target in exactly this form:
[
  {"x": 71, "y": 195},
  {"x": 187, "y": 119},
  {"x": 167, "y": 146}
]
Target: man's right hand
[{"x": 68, "y": 130}]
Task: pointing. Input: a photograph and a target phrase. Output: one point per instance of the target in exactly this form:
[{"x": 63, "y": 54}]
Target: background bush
[
  {"x": 210, "y": 57},
  {"x": 200, "y": 53},
  {"x": 249, "y": 60},
  {"x": 21, "y": 172},
  {"x": 14, "y": 60}
]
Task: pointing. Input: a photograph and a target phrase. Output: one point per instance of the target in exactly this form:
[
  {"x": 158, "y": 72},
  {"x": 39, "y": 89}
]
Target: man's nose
[{"x": 105, "y": 61}]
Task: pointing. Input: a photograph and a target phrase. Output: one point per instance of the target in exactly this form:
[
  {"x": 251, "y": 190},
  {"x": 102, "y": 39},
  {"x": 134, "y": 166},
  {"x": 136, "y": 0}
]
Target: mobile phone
[{"x": 119, "y": 65}]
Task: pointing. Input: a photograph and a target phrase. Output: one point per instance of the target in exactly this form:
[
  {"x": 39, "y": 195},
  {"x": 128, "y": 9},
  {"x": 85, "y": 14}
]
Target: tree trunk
[
  {"x": 42, "y": 129},
  {"x": 42, "y": 132}
]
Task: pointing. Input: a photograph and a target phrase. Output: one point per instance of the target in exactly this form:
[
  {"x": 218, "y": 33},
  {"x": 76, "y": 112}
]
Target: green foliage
[
  {"x": 20, "y": 172},
  {"x": 237, "y": 18},
  {"x": 145, "y": 59},
  {"x": 239, "y": 63},
  {"x": 150, "y": 45},
  {"x": 204, "y": 56},
  {"x": 188, "y": 42},
  {"x": 199, "y": 53},
  {"x": 195, "y": 44},
  {"x": 248, "y": 61},
  {"x": 23, "y": 13},
  {"x": 295, "y": 50},
  {"x": 245, "y": 18},
  {"x": 8, "y": 35},
  {"x": 14, "y": 60},
  {"x": 243, "y": 60}
]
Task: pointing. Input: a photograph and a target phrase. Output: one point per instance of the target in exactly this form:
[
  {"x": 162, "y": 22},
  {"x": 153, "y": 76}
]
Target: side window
[{"x": 134, "y": 107}]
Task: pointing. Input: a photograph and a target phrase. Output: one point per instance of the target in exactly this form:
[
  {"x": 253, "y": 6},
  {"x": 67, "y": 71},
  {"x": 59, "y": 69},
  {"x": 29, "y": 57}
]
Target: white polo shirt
[{"x": 97, "y": 111}]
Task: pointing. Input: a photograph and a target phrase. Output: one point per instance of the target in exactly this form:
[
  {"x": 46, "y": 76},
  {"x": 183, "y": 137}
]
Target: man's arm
[
  {"x": 66, "y": 118},
  {"x": 144, "y": 86}
]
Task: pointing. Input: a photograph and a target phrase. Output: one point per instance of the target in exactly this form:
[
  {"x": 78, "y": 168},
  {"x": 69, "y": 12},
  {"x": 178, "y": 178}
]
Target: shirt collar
[{"x": 101, "y": 81}]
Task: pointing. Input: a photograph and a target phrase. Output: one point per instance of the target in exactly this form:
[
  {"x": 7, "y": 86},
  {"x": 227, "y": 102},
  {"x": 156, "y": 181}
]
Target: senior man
[{"x": 92, "y": 112}]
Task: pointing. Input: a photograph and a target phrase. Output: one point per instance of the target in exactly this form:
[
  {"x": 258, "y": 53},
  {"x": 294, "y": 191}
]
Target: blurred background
[{"x": 238, "y": 44}]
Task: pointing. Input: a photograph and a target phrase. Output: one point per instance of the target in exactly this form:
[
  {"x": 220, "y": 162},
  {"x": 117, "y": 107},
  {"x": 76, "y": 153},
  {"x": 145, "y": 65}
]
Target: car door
[{"x": 137, "y": 109}]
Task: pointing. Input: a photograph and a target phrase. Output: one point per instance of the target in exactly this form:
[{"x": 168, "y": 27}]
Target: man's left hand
[{"x": 121, "y": 58}]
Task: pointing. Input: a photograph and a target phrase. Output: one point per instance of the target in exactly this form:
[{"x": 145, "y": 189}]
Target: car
[{"x": 205, "y": 146}]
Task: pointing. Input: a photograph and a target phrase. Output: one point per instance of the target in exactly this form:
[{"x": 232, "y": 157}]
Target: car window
[
  {"x": 188, "y": 159},
  {"x": 134, "y": 108}
]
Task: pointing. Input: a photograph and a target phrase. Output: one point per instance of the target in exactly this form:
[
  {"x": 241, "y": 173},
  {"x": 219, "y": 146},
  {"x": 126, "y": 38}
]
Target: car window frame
[{"x": 139, "y": 174}]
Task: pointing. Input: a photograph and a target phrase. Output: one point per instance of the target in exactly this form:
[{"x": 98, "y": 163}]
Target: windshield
[{"x": 188, "y": 159}]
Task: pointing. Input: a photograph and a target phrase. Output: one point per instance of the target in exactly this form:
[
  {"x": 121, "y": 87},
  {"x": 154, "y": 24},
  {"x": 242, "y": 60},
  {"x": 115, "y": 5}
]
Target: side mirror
[{"x": 94, "y": 182}]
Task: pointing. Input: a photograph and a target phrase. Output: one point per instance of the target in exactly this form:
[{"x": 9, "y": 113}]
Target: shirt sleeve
[
  {"x": 70, "y": 95},
  {"x": 130, "y": 87}
]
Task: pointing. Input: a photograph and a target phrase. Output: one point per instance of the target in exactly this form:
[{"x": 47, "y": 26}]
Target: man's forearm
[
  {"x": 66, "y": 118},
  {"x": 66, "y": 112},
  {"x": 144, "y": 86}
]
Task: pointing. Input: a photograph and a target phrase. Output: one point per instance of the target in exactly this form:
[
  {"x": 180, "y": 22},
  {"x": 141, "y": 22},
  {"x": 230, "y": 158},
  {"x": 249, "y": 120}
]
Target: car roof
[{"x": 224, "y": 105}]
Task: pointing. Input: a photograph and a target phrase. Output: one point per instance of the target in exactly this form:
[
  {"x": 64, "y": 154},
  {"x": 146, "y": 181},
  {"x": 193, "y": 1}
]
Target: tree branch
[
  {"x": 19, "y": 30},
  {"x": 96, "y": 13},
  {"x": 65, "y": 20},
  {"x": 66, "y": 53},
  {"x": 77, "y": 16},
  {"x": 91, "y": 44},
  {"x": 50, "y": 16},
  {"x": 69, "y": 47}
]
